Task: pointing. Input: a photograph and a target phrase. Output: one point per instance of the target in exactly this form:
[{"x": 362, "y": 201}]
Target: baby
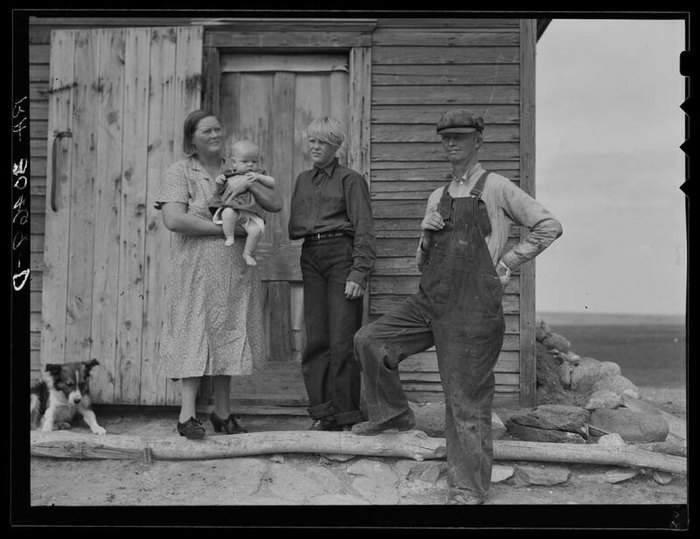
[{"x": 243, "y": 208}]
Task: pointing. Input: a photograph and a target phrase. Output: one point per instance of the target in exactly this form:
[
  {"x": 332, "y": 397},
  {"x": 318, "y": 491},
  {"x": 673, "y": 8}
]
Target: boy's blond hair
[{"x": 328, "y": 130}]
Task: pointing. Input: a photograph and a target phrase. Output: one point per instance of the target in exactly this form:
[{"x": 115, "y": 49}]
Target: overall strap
[{"x": 478, "y": 188}]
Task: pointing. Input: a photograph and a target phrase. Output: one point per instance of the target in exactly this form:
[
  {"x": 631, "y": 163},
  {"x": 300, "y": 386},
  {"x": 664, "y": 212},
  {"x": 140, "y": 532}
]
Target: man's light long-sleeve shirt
[{"x": 506, "y": 205}]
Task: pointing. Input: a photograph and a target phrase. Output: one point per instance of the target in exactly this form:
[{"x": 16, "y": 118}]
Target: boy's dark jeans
[{"x": 330, "y": 372}]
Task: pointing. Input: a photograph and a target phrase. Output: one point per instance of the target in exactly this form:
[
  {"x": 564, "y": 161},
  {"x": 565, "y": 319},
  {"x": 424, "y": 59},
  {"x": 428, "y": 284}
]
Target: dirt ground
[{"x": 301, "y": 479}]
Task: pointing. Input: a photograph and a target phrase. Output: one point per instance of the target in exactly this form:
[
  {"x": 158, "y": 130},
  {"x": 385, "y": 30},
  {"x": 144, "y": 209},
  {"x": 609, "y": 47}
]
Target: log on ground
[
  {"x": 412, "y": 444},
  {"x": 624, "y": 455},
  {"x": 65, "y": 444}
]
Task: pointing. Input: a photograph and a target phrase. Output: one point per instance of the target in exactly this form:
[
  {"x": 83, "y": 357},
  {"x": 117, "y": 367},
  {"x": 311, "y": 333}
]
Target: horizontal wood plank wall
[{"x": 421, "y": 68}]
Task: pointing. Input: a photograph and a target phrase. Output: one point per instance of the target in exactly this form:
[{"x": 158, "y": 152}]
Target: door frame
[{"x": 353, "y": 36}]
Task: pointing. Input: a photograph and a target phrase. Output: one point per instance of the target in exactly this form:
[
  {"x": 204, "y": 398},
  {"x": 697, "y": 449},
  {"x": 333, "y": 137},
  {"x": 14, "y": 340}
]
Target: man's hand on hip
[{"x": 503, "y": 273}]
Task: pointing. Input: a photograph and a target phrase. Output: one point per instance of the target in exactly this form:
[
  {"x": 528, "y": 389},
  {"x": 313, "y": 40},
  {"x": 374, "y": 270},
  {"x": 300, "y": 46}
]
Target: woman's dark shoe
[
  {"x": 191, "y": 429},
  {"x": 229, "y": 425}
]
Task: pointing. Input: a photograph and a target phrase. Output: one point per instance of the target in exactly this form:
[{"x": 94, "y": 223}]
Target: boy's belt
[{"x": 324, "y": 235}]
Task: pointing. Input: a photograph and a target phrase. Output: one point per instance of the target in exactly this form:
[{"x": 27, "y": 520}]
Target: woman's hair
[
  {"x": 190, "y": 126},
  {"x": 327, "y": 130}
]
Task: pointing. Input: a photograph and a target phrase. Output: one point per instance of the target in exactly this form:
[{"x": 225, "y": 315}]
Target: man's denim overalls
[{"x": 458, "y": 309}]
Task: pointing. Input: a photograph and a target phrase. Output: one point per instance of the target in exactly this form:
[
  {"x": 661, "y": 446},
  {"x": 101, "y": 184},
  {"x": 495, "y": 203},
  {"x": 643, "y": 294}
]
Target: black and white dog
[{"x": 63, "y": 393}]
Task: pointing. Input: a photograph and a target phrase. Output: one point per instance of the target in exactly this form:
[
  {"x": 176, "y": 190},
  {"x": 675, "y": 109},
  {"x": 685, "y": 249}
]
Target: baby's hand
[
  {"x": 253, "y": 176},
  {"x": 221, "y": 178}
]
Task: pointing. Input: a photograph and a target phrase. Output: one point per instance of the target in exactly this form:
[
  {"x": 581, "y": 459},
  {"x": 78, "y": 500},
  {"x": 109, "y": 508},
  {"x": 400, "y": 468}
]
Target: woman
[
  {"x": 213, "y": 312},
  {"x": 331, "y": 211}
]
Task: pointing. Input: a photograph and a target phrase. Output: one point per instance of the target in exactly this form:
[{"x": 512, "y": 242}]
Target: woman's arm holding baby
[
  {"x": 267, "y": 181},
  {"x": 267, "y": 196}
]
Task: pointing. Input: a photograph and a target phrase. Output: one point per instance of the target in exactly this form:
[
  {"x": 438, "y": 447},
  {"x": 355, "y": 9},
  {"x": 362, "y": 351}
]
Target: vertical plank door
[
  {"x": 271, "y": 99},
  {"x": 121, "y": 96}
]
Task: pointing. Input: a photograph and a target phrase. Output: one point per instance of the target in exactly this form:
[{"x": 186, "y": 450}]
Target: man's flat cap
[{"x": 460, "y": 121}]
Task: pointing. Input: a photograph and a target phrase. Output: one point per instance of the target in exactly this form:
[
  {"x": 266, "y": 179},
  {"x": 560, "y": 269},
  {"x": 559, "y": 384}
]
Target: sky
[{"x": 609, "y": 166}]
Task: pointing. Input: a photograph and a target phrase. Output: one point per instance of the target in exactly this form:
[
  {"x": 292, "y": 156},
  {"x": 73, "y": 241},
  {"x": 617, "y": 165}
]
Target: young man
[
  {"x": 331, "y": 211},
  {"x": 457, "y": 308}
]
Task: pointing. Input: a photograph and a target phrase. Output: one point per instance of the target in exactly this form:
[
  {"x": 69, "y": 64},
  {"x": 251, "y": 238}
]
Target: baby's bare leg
[
  {"x": 251, "y": 242},
  {"x": 229, "y": 216}
]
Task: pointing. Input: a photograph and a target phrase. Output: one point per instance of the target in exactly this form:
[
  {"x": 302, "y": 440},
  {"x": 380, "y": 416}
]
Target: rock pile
[{"x": 577, "y": 393}]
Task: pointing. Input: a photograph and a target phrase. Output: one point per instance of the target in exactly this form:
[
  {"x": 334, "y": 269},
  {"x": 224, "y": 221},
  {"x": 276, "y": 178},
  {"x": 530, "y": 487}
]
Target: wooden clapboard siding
[
  {"x": 442, "y": 38},
  {"x": 420, "y": 68},
  {"x": 496, "y": 113},
  {"x": 426, "y": 133}
]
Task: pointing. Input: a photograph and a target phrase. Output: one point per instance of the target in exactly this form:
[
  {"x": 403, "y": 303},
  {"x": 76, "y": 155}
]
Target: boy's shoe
[
  {"x": 402, "y": 422},
  {"x": 324, "y": 424}
]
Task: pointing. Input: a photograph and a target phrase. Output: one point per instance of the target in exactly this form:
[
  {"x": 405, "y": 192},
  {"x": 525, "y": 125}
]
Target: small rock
[
  {"x": 564, "y": 371},
  {"x": 430, "y": 418},
  {"x": 542, "y": 330},
  {"x": 547, "y": 368},
  {"x": 534, "y": 434},
  {"x": 554, "y": 341},
  {"x": 630, "y": 425},
  {"x": 277, "y": 458},
  {"x": 571, "y": 356},
  {"x": 555, "y": 417},
  {"x": 662, "y": 478},
  {"x": 617, "y": 384},
  {"x": 428, "y": 471},
  {"x": 500, "y": 473},
  {"x": 603, "y": 398},
  {"x": 587, "y": 371},
  {"x": 370, "y": 468},
  {"x": 605, "y": 474},
  {"x": 617, "y": 476},
  {"x": 337, "y": 457},
  {"x": 552, "y": 474},
  {"x": 498, "y": 429},
  {"x": 404, "y": 466},
  {"x": 611, "y": 440},
  {"x": 630, "y": 392}
]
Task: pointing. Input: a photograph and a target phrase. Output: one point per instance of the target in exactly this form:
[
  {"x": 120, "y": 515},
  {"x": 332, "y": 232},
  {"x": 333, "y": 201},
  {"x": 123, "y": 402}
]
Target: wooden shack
[{"x": 107, "y": 101}]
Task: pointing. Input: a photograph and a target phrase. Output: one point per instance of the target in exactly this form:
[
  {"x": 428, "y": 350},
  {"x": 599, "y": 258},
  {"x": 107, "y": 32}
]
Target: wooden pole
[
  {"x": 412, "y": 444},
  {"x": 680, "y": 449},
  {"x": 623, "y": 455}
]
